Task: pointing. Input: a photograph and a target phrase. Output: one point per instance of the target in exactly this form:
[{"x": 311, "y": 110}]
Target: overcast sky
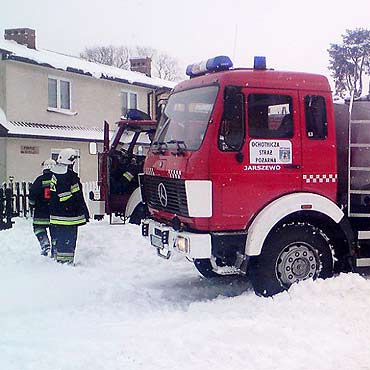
[{"x": 292, "y": 34}]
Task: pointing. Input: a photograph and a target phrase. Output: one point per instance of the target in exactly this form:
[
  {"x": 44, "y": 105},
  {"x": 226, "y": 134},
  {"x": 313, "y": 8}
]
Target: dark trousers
[{"x": 63, "y": 239}]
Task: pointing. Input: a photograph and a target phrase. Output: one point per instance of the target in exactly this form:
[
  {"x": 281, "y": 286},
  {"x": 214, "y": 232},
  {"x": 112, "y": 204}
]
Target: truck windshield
[{"x": 185, "y": 118}]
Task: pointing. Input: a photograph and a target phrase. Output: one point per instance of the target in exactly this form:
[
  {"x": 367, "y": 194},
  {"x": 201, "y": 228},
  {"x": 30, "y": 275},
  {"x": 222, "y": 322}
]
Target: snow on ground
[{"x": 122, "y": 307}]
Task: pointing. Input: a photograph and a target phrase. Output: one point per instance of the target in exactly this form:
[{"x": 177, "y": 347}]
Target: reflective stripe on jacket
[{"x": 67, "y": 204}]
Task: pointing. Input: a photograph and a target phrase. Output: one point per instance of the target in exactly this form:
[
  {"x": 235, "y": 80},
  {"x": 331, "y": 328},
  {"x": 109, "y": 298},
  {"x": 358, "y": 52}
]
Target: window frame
[
  {"x": 288, "y": 133},
  {"x": 128, "y": 92},
  {"x": 324, "y": 111},
  {"x": 222, "y": 144},
  {"x": 59, "y": 108}
]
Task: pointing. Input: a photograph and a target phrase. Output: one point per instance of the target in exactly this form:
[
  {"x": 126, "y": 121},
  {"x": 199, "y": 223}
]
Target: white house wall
[
  {"x": 94, "y": 100},
  {"x": 26, "y": 167},
  {"x": 2, "y": 86}
]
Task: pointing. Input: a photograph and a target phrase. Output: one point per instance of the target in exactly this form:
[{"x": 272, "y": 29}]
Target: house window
[
  {"x": 129, "y": 101},
  {"x": 59, "y": 93}
]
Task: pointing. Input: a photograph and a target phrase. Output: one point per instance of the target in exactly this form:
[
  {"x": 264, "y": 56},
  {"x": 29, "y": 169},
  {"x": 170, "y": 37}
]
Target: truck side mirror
[{"x": 93, "y": 148}]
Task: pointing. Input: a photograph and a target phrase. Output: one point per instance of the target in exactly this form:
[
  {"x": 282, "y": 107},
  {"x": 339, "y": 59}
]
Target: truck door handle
[{"x": 296, "y": 166}]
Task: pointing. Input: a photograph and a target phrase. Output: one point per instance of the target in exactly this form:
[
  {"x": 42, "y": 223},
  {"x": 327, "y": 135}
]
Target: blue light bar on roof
[
  {"x": 219, "y": 63},
  {"x": 259, "y": 63}
]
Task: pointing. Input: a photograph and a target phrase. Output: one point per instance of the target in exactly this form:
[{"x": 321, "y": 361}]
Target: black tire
[
  {"x": 291, "y": 253},
  {"x": 138, "y": 214},
  {"x": 204, "y": 266}
]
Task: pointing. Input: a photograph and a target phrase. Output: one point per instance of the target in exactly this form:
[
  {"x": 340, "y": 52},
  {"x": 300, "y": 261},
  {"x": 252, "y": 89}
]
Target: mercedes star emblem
[{"x": 162, "y": 194}]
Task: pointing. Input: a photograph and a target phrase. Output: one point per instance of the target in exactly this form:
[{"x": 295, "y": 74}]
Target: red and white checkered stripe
[
  {"x": 323, "y": 178},
  {"x": 174, "y": 174},
  {"x": 149, "y": 171}
]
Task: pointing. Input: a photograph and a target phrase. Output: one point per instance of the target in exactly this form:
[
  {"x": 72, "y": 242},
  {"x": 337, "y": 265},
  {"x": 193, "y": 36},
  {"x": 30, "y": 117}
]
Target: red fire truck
[
  {"x": 119, "y": 164},
  {"x": 255, "y": 172}
]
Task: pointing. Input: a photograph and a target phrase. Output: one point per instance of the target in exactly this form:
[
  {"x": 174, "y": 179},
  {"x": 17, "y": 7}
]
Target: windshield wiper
[
  {"x": 159, "y": 147},
  {"x": 181, "y": 147}
]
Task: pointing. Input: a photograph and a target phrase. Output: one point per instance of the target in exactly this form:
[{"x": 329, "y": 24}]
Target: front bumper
[{"x": 167, "y": 241}]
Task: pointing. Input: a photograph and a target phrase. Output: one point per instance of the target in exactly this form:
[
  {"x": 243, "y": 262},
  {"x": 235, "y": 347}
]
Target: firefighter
[
  {"x": 68, "y": 209},
  {"x": 124, "y": 179},
  {"x": 39, "y": 197}
]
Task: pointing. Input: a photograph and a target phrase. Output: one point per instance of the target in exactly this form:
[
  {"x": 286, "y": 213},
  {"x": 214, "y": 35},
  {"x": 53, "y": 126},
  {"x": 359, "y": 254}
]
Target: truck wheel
[
  {"x": 292, "y": 253},
  {"x": 204, "y": 266},
  {"x": 138, "y": 214}
]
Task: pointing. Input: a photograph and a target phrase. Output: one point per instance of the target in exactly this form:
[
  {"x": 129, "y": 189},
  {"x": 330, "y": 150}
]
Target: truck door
[
  {"x": 259, "y": 154},
  {"x": 319, "y": 158}
]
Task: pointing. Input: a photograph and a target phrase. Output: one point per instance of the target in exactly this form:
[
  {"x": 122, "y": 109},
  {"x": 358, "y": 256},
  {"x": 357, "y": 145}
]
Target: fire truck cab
[{"x": 242, "y": 177}]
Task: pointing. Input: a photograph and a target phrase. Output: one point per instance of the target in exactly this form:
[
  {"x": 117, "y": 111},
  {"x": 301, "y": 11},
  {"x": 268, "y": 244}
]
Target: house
[{"x": 50, "y": 101}]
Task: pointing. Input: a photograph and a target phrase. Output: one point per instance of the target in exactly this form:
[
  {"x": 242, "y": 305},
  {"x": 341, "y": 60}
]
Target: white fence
[
  {"x": 89, "y": 186},
  {"x": 20, "y": 192},
  {"x": 94, "y": 207}
]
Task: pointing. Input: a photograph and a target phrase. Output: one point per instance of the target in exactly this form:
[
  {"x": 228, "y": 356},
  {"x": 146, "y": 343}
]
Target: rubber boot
[{"x": 44, "y": 243}]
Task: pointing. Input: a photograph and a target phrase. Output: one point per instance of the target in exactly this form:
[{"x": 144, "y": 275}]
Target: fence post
[
  {"x": 6, "y": 207},
  {"x": 17, "y": 199},
  {"x": 2, "y": 206},
  {"x": 23, "y": 196}
]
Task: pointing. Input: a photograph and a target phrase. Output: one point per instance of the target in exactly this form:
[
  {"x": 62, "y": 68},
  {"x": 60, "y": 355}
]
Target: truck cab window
[
  {"x": 232, "y": 130},
  {"x": 316, "y": 123},
  {"x": 185, "y": 119},
  {"x": 270, "y": 116}
]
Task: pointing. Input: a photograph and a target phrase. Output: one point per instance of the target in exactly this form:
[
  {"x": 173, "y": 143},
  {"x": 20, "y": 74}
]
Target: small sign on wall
[{"x": 28, "y": 149}]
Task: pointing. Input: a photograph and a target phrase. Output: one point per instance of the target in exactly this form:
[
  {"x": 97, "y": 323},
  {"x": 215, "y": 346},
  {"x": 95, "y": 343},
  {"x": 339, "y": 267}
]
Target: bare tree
[
  {"x": 167, "y": 67},
  {"x": 109, "y": 55},
  {"x": 145, "y": 51},
  {"x": 164, "y": 66},
  {"x": 122, "y": 57}
]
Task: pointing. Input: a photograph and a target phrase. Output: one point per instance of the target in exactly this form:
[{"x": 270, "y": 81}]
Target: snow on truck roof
[{"x": 68, "y": 63}]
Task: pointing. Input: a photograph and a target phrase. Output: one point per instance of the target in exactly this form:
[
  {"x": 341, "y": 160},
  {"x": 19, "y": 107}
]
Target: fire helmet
[
  {"x": 48, "y": 164},
  {"x": 67, "y": 156}
]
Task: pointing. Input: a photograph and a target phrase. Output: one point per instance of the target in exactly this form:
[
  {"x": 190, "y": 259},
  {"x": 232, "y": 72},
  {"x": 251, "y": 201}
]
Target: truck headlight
[{"x": 182, "y": 244}]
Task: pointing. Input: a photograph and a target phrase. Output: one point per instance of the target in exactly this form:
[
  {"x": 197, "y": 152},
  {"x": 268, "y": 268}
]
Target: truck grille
[{"x": 176, "y": 194}]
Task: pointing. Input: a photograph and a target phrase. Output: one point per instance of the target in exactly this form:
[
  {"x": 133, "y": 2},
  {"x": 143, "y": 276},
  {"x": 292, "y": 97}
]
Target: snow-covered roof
[
  {"x": 63, "y": 131},
  {"x": 54, "y": 131},
  {"x": 78, "y": 65}
]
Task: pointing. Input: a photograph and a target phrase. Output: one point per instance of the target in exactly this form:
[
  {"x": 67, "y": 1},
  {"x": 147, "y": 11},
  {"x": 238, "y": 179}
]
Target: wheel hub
[{"x": 296, "y": 262}]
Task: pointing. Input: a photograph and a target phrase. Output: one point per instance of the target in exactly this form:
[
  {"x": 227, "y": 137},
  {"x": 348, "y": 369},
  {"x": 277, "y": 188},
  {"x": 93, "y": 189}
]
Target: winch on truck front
[{"x": 257, "y": 172}]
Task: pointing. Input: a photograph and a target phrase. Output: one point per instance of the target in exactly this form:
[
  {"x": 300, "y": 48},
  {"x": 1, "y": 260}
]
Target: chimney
[
  {"x": 23, "y": 36},
  {"x": 143, "y": 65}
]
